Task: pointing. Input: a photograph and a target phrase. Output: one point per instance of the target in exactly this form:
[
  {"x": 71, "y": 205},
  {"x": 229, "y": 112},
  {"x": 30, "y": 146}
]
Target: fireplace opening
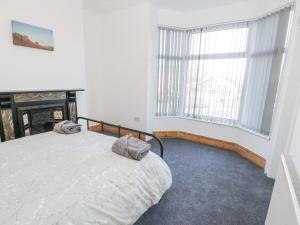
[
  {"x": 40, "y": 119},
  {"x": 48, "y": 126}
]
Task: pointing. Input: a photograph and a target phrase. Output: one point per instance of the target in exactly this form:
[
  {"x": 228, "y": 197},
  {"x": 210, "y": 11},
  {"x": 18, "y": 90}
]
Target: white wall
[
  {"x": 152, "y": 68},
  {"x": 284, "y": 208},
  {"x": 243, "y": 10},
  {"x": 24, "y": 68},
  {"x": 294, "y": 144},
  {"x": 121, "y": 77},
  {"x": 94, "y": 59},
  {"x": 256, "y": 143}
]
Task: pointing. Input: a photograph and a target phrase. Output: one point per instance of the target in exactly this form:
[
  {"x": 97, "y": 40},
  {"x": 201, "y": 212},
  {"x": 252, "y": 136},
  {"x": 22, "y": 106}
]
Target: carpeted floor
[{"x": 210, "y": 187}]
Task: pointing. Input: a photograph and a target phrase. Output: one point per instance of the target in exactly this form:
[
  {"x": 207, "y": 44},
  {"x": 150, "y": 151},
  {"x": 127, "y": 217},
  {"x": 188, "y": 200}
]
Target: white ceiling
[
  {"x": 179, "y": 5},
  {"x": 109, "y": 5}
]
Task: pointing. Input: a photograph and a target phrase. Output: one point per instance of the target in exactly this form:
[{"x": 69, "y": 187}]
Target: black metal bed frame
[{"x": 102, "y": 123}]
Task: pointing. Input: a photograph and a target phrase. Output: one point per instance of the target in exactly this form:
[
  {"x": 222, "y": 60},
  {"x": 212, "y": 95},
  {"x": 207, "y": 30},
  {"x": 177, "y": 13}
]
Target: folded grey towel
[
  {"x": 67, "y": 127},
  {"x": 131, "y": 147}
]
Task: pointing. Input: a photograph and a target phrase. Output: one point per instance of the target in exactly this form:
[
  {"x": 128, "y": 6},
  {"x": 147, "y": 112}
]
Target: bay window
[{"x": 226, "y": 73}]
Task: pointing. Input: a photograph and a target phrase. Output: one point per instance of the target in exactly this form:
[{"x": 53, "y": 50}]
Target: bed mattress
[{"x": 55, "y": 179}]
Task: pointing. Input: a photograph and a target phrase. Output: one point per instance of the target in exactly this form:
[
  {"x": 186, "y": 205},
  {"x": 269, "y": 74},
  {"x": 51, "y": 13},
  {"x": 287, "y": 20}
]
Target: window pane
[
  {"x": 222, "y": 41},
  {"x": 214, "y": 88}
]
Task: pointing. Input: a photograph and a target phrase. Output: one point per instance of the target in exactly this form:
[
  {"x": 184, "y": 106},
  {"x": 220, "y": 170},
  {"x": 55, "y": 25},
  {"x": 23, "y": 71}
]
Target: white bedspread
[{"x": 54, "y": 179}]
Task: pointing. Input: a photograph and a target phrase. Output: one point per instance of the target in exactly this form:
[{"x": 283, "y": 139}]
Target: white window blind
[
  {"x": 172, "y": 51},
  {"x": 267, "y": 45},
  {"x": 215, "y": 73},
  {"x": 227, "y": 73}
]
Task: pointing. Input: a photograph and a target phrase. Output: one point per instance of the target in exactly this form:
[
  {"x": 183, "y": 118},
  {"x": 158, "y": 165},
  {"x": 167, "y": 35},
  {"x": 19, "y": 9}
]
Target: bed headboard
[{"x": 24, "y": 113}]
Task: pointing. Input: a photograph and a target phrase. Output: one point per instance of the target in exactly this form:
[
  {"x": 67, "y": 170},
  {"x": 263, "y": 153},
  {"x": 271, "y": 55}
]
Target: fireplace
[
  {"x": 34, "y": 112},
  {"x": 40, "y": 118}
]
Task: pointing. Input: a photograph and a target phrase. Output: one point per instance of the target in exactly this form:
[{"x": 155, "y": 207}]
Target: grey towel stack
[
  {"x": 131, "y": 147},
  {"x": 67, "y": 127}
]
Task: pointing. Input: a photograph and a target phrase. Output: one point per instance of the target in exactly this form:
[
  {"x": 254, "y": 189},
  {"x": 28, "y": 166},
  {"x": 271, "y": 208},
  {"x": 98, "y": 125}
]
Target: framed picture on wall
[{"x": 32, "y": 36}]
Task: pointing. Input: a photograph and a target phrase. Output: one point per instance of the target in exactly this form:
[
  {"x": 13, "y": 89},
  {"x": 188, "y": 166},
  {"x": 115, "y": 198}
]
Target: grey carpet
[{"x": 210, "y": 187}]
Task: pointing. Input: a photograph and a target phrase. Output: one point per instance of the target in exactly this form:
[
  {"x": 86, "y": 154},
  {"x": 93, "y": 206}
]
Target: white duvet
[{"x": 54, "y": 179}]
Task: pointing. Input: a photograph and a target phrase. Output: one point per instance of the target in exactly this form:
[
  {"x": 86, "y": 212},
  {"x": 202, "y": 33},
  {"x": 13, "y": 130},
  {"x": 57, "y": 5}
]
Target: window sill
[{"x": 266, "y": 137}]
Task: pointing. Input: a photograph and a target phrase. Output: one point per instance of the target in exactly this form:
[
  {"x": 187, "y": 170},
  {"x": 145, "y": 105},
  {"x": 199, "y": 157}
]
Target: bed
[{"x": 55, "y": 179}]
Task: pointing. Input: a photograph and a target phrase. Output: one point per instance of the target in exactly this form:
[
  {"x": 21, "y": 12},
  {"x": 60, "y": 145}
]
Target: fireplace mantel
[
  {"x": 19, "y": 110},
  {"x": 38, "y": 91}
]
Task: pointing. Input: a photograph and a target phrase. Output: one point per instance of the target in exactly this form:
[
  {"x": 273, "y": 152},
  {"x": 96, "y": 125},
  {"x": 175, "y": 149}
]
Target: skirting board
[
  {"x": 114, "y": 130},
  {"x": 230, "y": 146}
]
